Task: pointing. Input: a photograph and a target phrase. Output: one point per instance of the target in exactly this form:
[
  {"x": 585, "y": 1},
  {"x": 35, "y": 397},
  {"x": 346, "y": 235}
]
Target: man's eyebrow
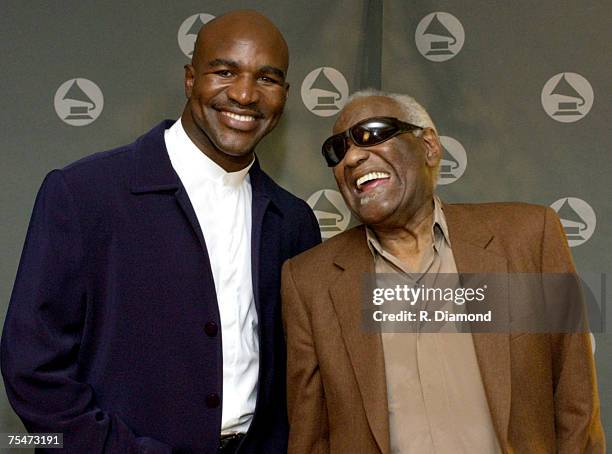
[
  {"x": 273, "y": 70},
  {"x": 223, "y": 62},
  {"x": 266, "y": 69}
]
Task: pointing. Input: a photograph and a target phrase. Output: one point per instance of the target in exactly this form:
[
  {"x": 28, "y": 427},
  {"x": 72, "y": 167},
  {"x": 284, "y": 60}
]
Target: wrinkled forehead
[{"x": 367, "y": 107}]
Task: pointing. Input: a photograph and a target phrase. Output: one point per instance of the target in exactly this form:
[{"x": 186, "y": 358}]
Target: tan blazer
[{"x": 541, "y": 388}]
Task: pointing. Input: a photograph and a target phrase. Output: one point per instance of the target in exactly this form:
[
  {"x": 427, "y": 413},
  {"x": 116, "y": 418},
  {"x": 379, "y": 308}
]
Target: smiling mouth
[
  {"x": 371, "y": 180},
  {"x": 238, "y": 122},
  {"x": 243, "y": 118}
]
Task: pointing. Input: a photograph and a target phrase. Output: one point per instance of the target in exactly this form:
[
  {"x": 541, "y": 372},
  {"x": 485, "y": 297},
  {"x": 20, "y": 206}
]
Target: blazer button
[
  {"x": 211, "y": 329},
  {"x": 213, "y": 400}
]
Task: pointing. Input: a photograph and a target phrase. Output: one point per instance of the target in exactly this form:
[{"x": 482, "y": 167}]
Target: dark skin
[
  {"x": 235, "y": 87},
  {"x": 399, "y": 206}
]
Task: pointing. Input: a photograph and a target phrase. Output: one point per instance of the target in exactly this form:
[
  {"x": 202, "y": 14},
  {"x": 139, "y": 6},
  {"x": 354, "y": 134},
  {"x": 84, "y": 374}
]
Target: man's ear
[
  {"x": 433, "y": 147},
  {"x": 189, "y": 78}
]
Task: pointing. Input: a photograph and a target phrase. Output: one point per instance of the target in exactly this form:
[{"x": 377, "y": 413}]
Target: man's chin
[
  {"x": 236, "y": 149},
  {"x": 237, "y": 146}
]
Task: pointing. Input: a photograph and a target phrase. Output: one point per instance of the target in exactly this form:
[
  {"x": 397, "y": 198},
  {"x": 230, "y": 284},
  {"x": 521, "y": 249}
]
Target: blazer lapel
[
  {"x": 264, "y": 244},
  {"x": 152, "y": 172},
  {"x": 259, "y": 206},
  {"x": 476, "y": 251},
  {"x": 364, "y": 348},
  {"x": 266, "y": 256}
]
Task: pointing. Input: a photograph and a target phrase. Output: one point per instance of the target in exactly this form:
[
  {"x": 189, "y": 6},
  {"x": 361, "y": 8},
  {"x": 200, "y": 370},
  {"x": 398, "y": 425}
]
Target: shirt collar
[
  {"x": 439, "y": 230},
  {"x": 193, "y": 166},
  {"x": 440, "y": 220}
]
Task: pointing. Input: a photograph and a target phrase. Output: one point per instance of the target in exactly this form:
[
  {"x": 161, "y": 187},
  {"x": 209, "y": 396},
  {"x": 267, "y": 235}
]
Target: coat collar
[
  {"x": 475, "y": 250},
  {"x": 152, "y": 171}
]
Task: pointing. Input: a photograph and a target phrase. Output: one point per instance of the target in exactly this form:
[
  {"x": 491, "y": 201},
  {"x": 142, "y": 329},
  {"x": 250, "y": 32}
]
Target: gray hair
[{"x": 413, "y": 111}]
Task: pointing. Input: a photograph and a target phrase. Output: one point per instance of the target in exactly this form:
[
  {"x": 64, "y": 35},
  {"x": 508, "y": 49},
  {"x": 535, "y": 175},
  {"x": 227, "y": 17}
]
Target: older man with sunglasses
[{"x": 354, "y": 391}]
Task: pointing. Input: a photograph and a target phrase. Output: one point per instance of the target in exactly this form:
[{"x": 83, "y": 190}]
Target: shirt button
[
  {"x": 211, "y": 329},
  {"x": 213, "y": 400}
]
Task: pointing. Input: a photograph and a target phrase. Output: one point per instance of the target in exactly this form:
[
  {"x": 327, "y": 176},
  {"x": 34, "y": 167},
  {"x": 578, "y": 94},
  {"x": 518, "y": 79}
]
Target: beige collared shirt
[{"x": 436, "y": 398}]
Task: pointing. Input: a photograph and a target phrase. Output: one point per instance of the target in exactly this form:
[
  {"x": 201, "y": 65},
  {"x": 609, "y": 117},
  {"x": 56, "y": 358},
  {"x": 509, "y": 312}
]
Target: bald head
[{"x": 242, "y": 25}]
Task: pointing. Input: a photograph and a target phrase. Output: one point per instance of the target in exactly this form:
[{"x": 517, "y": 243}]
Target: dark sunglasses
[{"x": 366, "y": 133}]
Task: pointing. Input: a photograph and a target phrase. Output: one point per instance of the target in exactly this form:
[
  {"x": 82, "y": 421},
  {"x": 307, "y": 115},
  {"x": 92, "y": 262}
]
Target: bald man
[{"x": 145, "y": 316}]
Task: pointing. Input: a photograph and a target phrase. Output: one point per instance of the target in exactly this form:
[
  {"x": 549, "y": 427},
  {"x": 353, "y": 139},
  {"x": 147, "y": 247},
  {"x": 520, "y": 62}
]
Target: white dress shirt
[{"x": 222, "y": 203}]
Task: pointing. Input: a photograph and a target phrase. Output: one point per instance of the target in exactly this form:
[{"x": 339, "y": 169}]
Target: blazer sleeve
[
  {"x": 42, "y": 333},
  {"x": 308, "y": 423},
  {"x": 577, "y": 413}
]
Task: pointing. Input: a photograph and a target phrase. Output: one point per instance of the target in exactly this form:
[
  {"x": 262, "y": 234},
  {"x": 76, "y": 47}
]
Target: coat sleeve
[
  {"x": 577, "y": 414},
  {"x": 308, "y": 423},
  {"x": 43, "y": 330}
]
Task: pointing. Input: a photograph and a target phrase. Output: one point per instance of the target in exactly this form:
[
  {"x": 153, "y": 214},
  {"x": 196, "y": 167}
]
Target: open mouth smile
[
  {"x": 370, "y": 180},
  {"x": 243, "y": 118},
  {"x": 239, "y": 122}
]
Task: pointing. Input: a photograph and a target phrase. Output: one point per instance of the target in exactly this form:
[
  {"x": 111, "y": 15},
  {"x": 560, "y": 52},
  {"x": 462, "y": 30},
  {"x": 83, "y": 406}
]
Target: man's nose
[
  {"x": 355, "y": 155},
  {"x": 243, "y": 90}
]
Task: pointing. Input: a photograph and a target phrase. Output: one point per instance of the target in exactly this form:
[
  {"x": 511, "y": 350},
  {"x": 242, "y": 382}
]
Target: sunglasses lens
[
  {"x": 372, "y": 133},
  {"x": 334, "y": 150}
]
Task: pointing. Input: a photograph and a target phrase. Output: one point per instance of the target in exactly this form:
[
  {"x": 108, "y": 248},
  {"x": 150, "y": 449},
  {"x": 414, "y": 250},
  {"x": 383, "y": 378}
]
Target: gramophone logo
[
  {"x": 324, "y": 91},
  {"x": 188, "y": 31},
  {"x": 78, "y": 102},
  {"x": 567, "y": 97},
  {"x": 578, "y": 219},
  {"x": 453, "y": 162},
  {"x": 439, "y": 36},
  {"x": 331, "y": 212}
]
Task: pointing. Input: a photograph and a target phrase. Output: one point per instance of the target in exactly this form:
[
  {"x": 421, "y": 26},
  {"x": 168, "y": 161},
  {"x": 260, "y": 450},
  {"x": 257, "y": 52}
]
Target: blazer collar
[
  {"x": 475, "y": 250},
  {"x": 151, "y": 167},
  {"x": 264, "y": 189}
]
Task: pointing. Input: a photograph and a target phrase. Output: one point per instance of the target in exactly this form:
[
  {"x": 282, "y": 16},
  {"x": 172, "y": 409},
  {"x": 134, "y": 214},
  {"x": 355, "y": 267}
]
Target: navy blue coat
[{"x": 112, "y": 334}]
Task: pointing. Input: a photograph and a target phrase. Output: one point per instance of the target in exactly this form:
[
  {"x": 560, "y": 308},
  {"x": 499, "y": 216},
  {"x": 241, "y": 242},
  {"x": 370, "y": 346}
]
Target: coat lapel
[
  {"x": 364, "y": 348},
  {"x": 265, "y": 244},
  {"x": 266, "y": 255},
  {"x": 476, "y": 251},
  {"x": 152, "y": 172},
  {"x": 259, "y": 207}
]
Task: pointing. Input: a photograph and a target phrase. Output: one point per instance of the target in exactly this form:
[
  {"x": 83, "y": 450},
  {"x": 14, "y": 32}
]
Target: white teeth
[
  {"x": 371, "y": 176},
  {"x": 238, "y": 117}
]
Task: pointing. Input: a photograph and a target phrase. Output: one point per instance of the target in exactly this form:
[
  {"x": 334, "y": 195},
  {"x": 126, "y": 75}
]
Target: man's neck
[{"x": 409, "y": 242}]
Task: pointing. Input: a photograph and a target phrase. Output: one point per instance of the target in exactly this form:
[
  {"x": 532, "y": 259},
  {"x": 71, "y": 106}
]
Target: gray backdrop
[{"x": 520, "y": 92}]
